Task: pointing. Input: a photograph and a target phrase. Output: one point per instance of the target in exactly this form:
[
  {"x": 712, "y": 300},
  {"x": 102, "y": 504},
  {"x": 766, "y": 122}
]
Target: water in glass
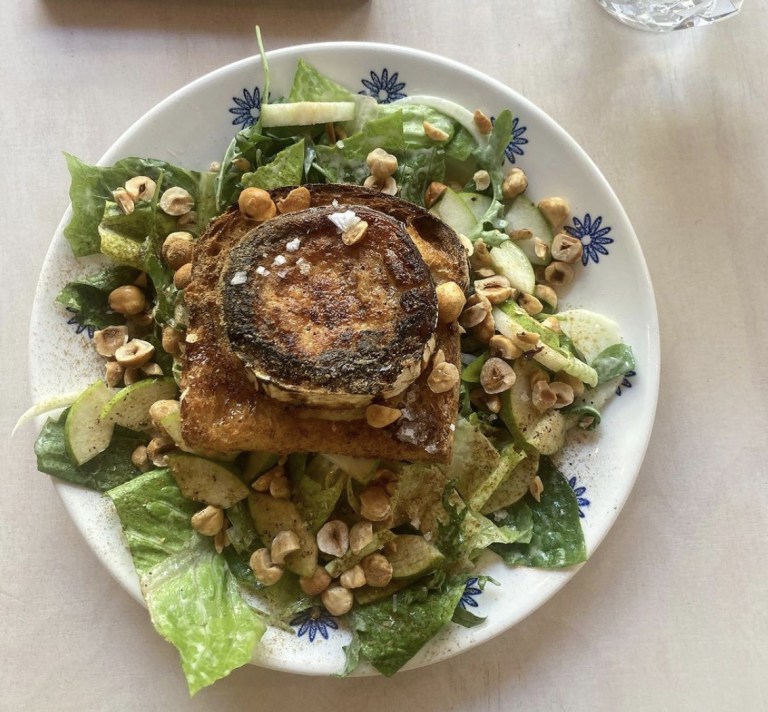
[{"x": 665, "y": 15}]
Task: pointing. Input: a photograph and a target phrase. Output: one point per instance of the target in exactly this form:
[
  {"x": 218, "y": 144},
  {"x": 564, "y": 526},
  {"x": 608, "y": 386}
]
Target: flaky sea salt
[
  {"x": 303, "y": 266},
  {"x": 452, "y": 427},
  {"x": 293, "y": 245},
  {"x": 239, "y": 278},
  {"x": 500, "y": 515},
  {"x": 344, "y": 220},
  {"x": 279, "y": 260},
  {"x": 262, "y": 271}
]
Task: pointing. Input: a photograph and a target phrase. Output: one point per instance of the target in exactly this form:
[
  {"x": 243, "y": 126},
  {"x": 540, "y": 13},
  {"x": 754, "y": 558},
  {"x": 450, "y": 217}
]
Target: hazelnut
[
  {"x": 488, "y": 401},
  {"x": 443, "y": 378},
  {"x": 135, "y": 353},
  {"x": 172, "y": 339},
  {"x": 531, "y": 305},
  {"x": 380, "y": 416},
  {"x": 178, "y": 249},
  {"x": 520, "y": 235},
  {"x": 176, "y": 201},
  {"x": 187, "y": 219},
  {"x": 538, "y": 375},
  {"x": 140, "y": 459},
  {"x": 553, "y": 324},
  {"x": 434, "y": 133},
  {"x": 159, "y": 449},
  {"x": 375, "y": 505},
  {"x": 257, "y": 204},
  {"x": 515, "y": 183},
  {"x": 482, "y": 180},
  {"x": 545, "y": 294},
  {"x": 353, "y": 578},
  {"x": 141, "y": 281},
  {"x": 485, "y": 330},
  {"x": 566, "y": 248},
  {"x": 162, "y": 409},
  {"x": 496, "y": 289},
  {"x": 542, "y": 396},
  {"x": 337, "y": 600},
  {"x": 360, "y": 536},
  {"x": 378, "y": 571},
  {"x": 110, "y": 339},
  {"x": 315, "y": 584},
  {"x": 242, "y": 164},
  {"x": 481, "y": 259},
  {"x": 575, "y": 383},
  {"x": 280, "y": 488},
  {"x": 466, "y": 243},
  {"x": 450, "y": 301},
  {"x": 536, "y": 488},
  {"x": 141, "y": 188},
  {"x": 474, "y": 315},
  {"x": 563, "y": 394},
  {"x": 540, "y": 247},
  {"x": 529, "y": 338},
  {"x": 264, "y": 570},
  {"x": 286, "y": 542},
  {"x": 124, "y": 200},
  {"x": 434, "y": 193},
  {"x": 298, "y": 199},
  {"x": 388, "y": 185},
  {"x": 381, "y": 164},
  {"x": 354, "y": 234},
  {"x": 127, "y": 300},
  {"x": 221, "y": 541},
  {"x": 502, "y": 347},
  {"x": 262, "y": 483},
  {"x": 152, "y": 369},
  {"x": 333, "y": 538},
  {"x": 555, "y": 210},
  {"x": 114, "y": 373},
  {"x": 183, "y": 276},
  {"x": 483, "y": 123},
  {"x": 132, "y": 375},
  {"x": 558, "y": 274},
  {"x": 140, "y": 321},
  {"x": 208, "y": 521},
  {"x": 496, "y": 376}
]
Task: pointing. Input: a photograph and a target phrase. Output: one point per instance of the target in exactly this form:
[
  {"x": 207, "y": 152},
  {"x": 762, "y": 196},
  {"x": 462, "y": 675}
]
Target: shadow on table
[{"x": 278, "y": 18}]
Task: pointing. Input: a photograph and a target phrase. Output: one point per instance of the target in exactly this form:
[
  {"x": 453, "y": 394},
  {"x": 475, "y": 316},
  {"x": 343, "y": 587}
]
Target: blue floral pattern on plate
[
  {"x": 470, "y": 591},
  {"x": 513, "y": 150},
  {"x": 625, "y": 382},
  {"x": 384, "y": 88},
  {"x": 579, "y": 491},
  {"x": 247, "y": 109},
  {"x": 80, "y": 328},
  {"x": 593, "y": 237},
  {"x": 313, "y": 621}
]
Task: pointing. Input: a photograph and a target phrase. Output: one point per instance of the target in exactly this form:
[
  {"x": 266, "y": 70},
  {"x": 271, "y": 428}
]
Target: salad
[{"x": 229, "y": 541}]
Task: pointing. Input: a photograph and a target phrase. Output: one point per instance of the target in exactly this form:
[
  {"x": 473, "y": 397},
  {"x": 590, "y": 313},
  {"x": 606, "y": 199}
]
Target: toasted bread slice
[{"x": 223, "y": 410}]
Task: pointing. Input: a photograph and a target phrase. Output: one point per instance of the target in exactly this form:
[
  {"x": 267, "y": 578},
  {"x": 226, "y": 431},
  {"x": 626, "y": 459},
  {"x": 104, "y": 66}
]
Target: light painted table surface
[{"x": 672, "y": 612}]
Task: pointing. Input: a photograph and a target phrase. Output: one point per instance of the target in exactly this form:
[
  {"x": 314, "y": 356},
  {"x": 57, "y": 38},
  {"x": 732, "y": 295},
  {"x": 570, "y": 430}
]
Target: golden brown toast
[{"x": 222, "y": 410}]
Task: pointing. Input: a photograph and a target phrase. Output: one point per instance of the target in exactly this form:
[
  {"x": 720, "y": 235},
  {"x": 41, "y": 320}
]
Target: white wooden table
[{"x": 672, "y": 612}]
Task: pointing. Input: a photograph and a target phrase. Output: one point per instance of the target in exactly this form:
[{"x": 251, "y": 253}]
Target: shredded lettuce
[{"x": 286, "y": 169}]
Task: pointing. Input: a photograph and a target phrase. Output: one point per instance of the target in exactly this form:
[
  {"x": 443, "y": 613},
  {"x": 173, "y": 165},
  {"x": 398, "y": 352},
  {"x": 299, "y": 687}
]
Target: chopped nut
[
  {"x": 178, "y": 249},
  {"x": 280, "y": 488},
  {"x": 438, "y": 358},
  {"x": 575, "y": 383},
  {"x": 485, "y": 272},
  {"x": 380, "y": 416},
  {"x": 538, "y": 375},
  {"x": 466, "y": 243},
  {"x": 434, "y": 133},
  {"x": 264, "y": 570},
  {"x": 502, "y": 347},
  {"x": 485, "y": 330},
  {"x": 152, "y": 369},
  {"x": 558, "y": 274},
  {"x": 483, "y": 123},
  {"x": 208, "y": 521},
  {"x": 138, "y": 323},
  {"x": 381, "y": 164},
  {"x": 127, "y": 300},
  {"x": 333, "y": 538},
  {"x": 110, "y": 339},
  {"x": 375, "y": 505},
  {"x": 527, "y": 337},
  {"x": 566, "y": 248},
  {"x": 141, "y": 281},
  {"x": 388, "y": 480},
  {"x": 353, "y": 578},
  {"x": 563, "y": 393},
  {"x": 482, "y": 180},
  {"x": 298, "y": 199},
  {"x": 135, "y": 353},
  {"x": 315, "y": 584},
  {"x": 221, "y": 541},
  {"x": 132, "y": 375},
  {"x": 360, "y": 536},
  {"x": 531, "y": 305},
  {"x": 286, "y": 542},
  {"x": 553, "y": 324},
  {"x": 520, "y": 235},
  {"x": 257, "y": 204},
  {"x": 482, "y": 399},
  {"x": 540, "y": 248},
  {"x": 183, "y": 276},
  {"x": 141, "y": 188},
  {"x": 114, "y": 373},
  {"x": 434, "y": 193},
  {"x": 515, "y": 183},
  {"x": 187, "y": 219},
  {"x": 140, "y": 459},
  {"x": 388, "y": 186},
  {"x": 162, "y": 409},
  {"x": 262, "y": 483},
  {"x": 496, "y": 376},
  {"x": 176, "y": 201},
  {"x": 536, "y": 488},
  {"x": 443, "y": 378},
  {"x": 542, "y": 396},
  {"x": 124, "y": 200},
  {"x": 337, "y": 600},
  {"x": 474, "y": 315},
  {"x": 215, "y": 167},
  {"x": 172, "y": 339},
  {"x": 482, "y": 257},
  {"x": 586, "y": 422},
  {"x": 555, "y": 210},
  {"x": 159, "y": 449},
  {"x": 330, "y": 132},
  {"x": 378, "y": 571},
  {"x": 242, "y": 164},
  {"x": 496, "y": 289},
  {"x": 545, "y": 294},
  {"x": 354, "y": 234},
  {"x": 450, "y": 301}
]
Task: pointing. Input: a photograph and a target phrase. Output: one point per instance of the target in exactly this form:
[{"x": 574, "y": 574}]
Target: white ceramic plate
[{"x": 194, "y": 126}]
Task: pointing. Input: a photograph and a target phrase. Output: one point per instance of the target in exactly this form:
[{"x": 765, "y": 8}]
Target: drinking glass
[{"x": 666, "y": 15}]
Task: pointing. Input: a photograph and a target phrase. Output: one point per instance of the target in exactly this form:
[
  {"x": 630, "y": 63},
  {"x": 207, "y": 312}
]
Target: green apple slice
[
  {"x": 207, "y": 481},
  {"x": 130, "y": 406},
  {"x": 524, "y": 215},
  {"x": 455, "y": 213},
  {"x": 509, "y": 260},
  {"x": 477, "y": 203},
  {"x": 306, "y": 113},
  {"x": 85, "y": 433}
]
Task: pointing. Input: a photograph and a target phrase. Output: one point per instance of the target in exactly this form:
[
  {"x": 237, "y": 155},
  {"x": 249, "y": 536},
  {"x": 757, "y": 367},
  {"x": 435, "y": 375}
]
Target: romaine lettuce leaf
[
  {"x": 414, "y": 116},
  {"x": 461, "y": 146},
  {"x": 287, "y": 168},
  {"x": 557, "y": 538},
  {"x": 191, "y": 594},
  {"x": 491, "y": 157},
  {"x": 613, "y": 362},
  {"x": 420, "y": 167},
  {"x": 88, "y": 297},
  {"x": 311, "y": 85},
  {"x": 242, "y": 531},
  {"x": 92, "y": 187},
  {"x": 108, "y": 469}
]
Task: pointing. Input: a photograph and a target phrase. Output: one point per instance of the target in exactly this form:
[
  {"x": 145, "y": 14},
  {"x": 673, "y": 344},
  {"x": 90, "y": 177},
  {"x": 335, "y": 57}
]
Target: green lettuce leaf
[
  {"x": 287, "y": 168},
  {"x": 242, "y": 531},
  {"x": 419, "y": 168},
  {"x": 517, "y": 518},
  {"x": 393, "y": 630},
  {"x": 613, "y": 362},
  {"x": 414, "y": 116},
  {"x": 462, "y": 146},
  {"x": 311, "y": 85},
  {"x": 191, "y": 593},
  {"x": 88, "y": 296},
  {"x": 92, "y": 187},
  {"x": 491, "y": 156},
  {"x": 108, "y": 469},
  {"x": 557, "y": 538}
]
